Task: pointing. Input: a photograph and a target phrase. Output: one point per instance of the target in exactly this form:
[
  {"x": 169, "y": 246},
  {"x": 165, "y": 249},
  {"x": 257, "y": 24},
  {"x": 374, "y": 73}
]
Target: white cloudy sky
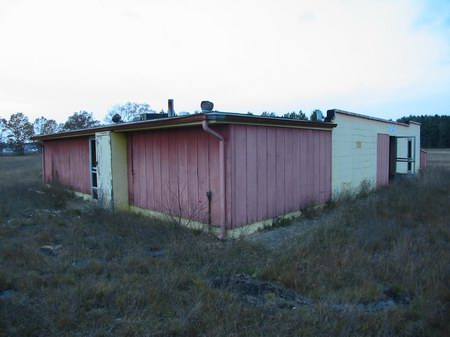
[{"x": 386, "y": 58}]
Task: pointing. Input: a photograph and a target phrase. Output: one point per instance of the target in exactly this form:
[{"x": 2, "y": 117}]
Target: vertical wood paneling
[
  {"x": 241, "y": 174},
  {"x": 280, "y": 171},
  {"x": 288, "y": 177},
  {"x": 328, "y": 165},
  {"x": 261, "y": 173},
  {"x": 176, "y": 168},
  {"x": 203, "y": 172},
  {"x": 214, "y": 177},
  {"x": 252, "y": 171},
  {"x": 142, "y": 163},
  {"x": 423, "y": 159},
  {"x": 296, "y": 170},
  {"x": 271, "y": 172},
  {"x": 150, "y": 173},
  {"x": 309, "y": 193},
  {"x": 165, "y": 184},
  {"x": 67, "y": 163},
  {"x": 229, "y": 160},
  {"x": 174, "y": 192},
  {"x": 322, "y": 160},
  {"x": 316, "y": 172},
  {"x": 382, "y": 159},
  {"x": 292, "y": 170},
  {"x": 130, "y": 159},
  {"x": 192, "y": 174},
  {"x": 183, "y": 172},
  {"x": 156, "y": 164},
  {"x": 302, "y": 169}
]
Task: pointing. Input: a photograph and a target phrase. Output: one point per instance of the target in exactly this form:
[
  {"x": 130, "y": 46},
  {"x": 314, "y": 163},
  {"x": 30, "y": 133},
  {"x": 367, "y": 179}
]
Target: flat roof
[
  {"x": 213, "y": 118},
  {"x": 331, "y": 112}
]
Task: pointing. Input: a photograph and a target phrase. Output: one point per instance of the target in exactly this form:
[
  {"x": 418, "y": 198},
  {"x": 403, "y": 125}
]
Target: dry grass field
[
  {"x": 438, "y": 157},
  {"x": 375, "y": 264}
]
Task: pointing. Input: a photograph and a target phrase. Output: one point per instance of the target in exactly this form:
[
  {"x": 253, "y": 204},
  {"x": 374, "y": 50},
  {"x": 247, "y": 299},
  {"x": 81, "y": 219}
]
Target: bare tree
[
  {"x": 2, "y": 128},
  {"x": 300, "y": 115},
  {"x": 19, "y": 131},
  {"x": 180, "y": 211},
  {"x": 44, "y": 126},
  {"x": 127, "y": 111},
  {"x": 80, "y": 120}
]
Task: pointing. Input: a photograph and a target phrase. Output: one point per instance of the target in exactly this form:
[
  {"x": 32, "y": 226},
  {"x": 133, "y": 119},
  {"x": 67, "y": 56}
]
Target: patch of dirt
[
  {"x": 259, "y": 293},
  {"x": 276, "y": 237},
  {"x": 81, "y": 205},
  {"x": 268, "y": 294}
]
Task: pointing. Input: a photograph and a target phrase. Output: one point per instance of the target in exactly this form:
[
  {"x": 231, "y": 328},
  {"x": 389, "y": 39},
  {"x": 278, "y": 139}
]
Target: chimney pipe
[{"x": 170, "y": 109}]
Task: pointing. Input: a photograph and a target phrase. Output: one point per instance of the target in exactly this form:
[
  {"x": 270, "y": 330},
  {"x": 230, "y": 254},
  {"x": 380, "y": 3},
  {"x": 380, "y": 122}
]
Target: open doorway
[
  {"x": 392, "y": 157},
  {"x": 402, "y": 155},
  {"x": 93, "y": 167}
]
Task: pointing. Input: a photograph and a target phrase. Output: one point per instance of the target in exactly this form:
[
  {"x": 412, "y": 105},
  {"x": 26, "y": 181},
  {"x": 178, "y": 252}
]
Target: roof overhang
[
  {"x": 332, "y": 112},
  {"x": 192, "y": 120}
]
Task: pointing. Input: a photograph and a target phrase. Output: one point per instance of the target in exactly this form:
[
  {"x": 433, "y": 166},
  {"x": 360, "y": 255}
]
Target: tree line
[
  {"x": 18, "y": 130},
  {"x": 434, "y": 131}
]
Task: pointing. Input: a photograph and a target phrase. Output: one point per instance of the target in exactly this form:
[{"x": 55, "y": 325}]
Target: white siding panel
[{"x": 354, "y": 145}]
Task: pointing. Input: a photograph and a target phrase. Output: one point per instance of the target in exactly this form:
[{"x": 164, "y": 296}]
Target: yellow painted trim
[
  {"x": 158, "y": 127},
  {"x": 260, "y": 225},
  {"x": 119, "y": 170},
  {"x": 192, "y": 224},
  {"x": 230, "y": 233},
  {"x": 217, "y": 122},
  {"x": 84, "y": 196}
]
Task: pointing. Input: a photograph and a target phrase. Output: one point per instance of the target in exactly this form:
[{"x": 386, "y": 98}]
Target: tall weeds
[
  {"x": 125, "y": 275},
  {"x": 393, "y": 243}
]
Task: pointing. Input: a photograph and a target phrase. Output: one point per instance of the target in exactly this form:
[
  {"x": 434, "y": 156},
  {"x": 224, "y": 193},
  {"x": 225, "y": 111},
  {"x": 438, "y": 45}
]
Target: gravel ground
[{"x": 274, "y": 238}]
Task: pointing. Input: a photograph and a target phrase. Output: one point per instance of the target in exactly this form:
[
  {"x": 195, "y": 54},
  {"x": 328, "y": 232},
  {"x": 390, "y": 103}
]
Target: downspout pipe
[{"x": 213, "y": 133}]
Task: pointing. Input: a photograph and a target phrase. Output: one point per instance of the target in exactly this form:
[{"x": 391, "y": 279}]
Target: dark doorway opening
[
  {"x": 392, "y": 157},
  {"x": 93, "y": 167},
  {"x": 402, "y": 158}
]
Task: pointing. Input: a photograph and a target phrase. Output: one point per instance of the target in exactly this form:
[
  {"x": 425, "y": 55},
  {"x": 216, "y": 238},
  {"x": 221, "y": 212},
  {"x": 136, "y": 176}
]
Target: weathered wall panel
[
  {"x": 354, "y": 149},
  {"x": 171, "y": 171},
  {"x": 423, "y": 159},
  {"x": 261, "y": 173},
  {"x": 277, "y": 171},
  {"x": 382, "y": 160},
  {"x": 66, "y": 162}
]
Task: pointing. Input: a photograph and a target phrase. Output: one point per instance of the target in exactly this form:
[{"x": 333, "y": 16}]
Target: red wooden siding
[
  {"x": 170, "y": 171},
  {"x": 423, "y": 159},
  {"x": 274, "y": 171},
  {"x": 66, "y": 162},
  {"x": 382, "y": 159}
]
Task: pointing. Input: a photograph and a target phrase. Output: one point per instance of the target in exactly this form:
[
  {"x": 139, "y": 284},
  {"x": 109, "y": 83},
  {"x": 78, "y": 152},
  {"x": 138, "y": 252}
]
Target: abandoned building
[
  {"x": 229, "y": 172},
  {"x": 372, "y": 150}
]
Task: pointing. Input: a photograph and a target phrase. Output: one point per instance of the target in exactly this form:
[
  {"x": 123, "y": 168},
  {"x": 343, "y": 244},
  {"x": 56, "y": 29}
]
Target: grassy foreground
[{"x": 125, "y": 275}]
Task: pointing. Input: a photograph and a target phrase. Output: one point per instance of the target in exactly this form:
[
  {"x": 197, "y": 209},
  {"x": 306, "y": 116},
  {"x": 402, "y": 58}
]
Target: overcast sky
[{"x": 385, "y": 58}]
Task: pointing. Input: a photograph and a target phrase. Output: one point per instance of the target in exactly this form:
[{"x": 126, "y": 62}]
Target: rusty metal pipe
[{"x": 213, "y": 133}]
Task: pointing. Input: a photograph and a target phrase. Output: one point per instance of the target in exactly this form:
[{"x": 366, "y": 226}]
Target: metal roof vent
[
  {"x": 170, "y": 108},
  {"x": 207, "y": 106},
  {"x": 149, "y": 116},
  {"x": 319, "y": 116},
  {"x": 116, "y": 118}
]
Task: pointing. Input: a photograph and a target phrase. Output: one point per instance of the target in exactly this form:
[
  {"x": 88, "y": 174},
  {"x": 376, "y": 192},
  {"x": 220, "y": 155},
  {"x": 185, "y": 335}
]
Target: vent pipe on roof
[
  {"x": 207, "y": 106},
  {"x": 170, "y": 109},
  {"x": 116, "y": 118}
]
